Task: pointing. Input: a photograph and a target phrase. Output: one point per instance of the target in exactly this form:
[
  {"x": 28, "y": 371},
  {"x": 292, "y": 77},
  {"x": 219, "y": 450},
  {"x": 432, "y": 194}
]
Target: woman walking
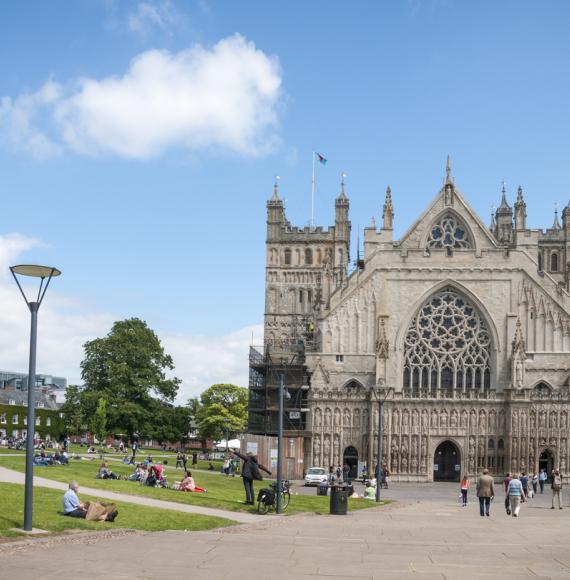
[
  {"x": 249, "y": 472},
  {"x": 516, "y": 495},
  {"x": 464, "y": 489}
]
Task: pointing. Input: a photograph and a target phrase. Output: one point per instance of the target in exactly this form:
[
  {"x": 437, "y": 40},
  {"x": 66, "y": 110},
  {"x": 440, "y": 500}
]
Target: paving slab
[{"x": 426, "y": 535}]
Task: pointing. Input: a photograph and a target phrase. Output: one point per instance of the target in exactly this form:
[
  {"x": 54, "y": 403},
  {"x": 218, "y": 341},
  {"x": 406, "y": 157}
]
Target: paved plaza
[{"x": 424, "y": 534}]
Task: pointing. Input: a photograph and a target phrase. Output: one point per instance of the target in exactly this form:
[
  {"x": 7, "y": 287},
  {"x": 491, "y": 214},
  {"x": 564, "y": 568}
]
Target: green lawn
[
  {"x": 4, "y": 450},
  {"x": 223, "y": 492},
  {"x": 48, "y": 504}
]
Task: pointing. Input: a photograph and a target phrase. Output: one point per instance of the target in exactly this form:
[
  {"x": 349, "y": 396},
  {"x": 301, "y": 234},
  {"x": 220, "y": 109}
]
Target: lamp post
[
  {"x": 283, "y": 392},
  {"x": 381, "y": 398},
  {"x": 44, "y": 273},
  {"x": 227, "y": 432}
]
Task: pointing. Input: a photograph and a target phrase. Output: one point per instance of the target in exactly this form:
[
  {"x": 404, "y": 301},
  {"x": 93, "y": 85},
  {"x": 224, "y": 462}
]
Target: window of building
[
  {"x": 308, "y": 256},
  {"x": 447, "y": 346},
  {"x": 25, "y": 420},
  {"x": 3, "y": 419},
  {"x": 48, "y": 421},
  {"x": 542, "y": 391},
  {"x": 339, "y": 358},
  {"x": 539, "y": 262},
  {"x": 449, "y": 233},
  {"x": 301, "y": 296},
  {"x": 554, "y": 263},
  {"x": 287, "y": 257},
  {"x": 38, "y": 421},
  {"x": 500, "y": 444},
  {"x": 14, "y": 419},
  {"x": 11, "y": 402},
  {"x": 491, "y": 444}
]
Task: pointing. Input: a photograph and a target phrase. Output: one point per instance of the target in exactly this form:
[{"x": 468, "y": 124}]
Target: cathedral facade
[{"x": 460, "y": 328}]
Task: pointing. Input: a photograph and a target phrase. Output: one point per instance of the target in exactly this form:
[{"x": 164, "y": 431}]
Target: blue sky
[{"x": 156, "y": 208}]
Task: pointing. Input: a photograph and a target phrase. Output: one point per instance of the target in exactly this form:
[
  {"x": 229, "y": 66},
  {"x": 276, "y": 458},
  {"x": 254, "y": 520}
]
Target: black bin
[
  {"x": 339, "y": 500},
  {"x": 323, "y": 489}
]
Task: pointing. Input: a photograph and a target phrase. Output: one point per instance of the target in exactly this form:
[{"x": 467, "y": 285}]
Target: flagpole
[{"x": 313, "y": 192}]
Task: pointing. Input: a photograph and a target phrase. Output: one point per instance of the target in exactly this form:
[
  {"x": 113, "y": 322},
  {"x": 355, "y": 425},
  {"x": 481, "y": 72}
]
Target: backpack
[{"x": 557, "y": 482}]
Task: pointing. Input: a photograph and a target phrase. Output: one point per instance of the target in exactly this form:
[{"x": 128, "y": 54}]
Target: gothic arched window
[
  {"x": 287, "y": 256},
  {"x": 447, "y": 346},
  {"x": 308, "y": 256},
  {"x": 449, "y": 233}
]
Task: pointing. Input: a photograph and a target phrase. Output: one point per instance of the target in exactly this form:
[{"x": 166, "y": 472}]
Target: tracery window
[
  {"x": 448, "y": 233},
  {"x": 447, "y": 346}
]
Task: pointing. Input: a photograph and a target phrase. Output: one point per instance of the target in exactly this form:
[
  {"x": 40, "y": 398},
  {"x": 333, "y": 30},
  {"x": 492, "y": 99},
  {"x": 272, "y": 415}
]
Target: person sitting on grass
[
  {"x": 105, "y": 472},
  {"x": 71, "y": 505},
  {"x": 74, "y": 508},
  {"x": 369, "y": 491},
  {"x": 139, "y": 473},
  {"x": 188, "y": 484}
]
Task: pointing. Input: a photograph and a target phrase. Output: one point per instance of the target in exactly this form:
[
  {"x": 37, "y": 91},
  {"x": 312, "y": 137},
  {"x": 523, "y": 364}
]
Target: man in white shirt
[{"x": 71, "y": 504}]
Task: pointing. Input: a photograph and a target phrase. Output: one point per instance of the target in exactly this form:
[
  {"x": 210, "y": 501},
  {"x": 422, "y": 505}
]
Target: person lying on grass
[
  {"x": 74, "y": 508},
  {"x": 188, "y": 484}
]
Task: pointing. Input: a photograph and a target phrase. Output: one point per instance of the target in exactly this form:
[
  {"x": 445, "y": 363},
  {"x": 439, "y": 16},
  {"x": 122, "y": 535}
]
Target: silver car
[{"x": 316, "y": 475}]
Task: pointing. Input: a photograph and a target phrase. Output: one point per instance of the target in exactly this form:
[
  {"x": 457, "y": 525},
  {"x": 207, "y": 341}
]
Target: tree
[
  {"x": 72, "y": 409},
  {"x": 222, "y": 406},
  {"x": 99, "y": 421},
  {"x": 128, "y": 368}
]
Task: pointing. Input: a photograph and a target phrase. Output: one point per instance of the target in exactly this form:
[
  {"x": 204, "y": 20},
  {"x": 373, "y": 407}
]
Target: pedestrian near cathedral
[
  {"x": 534, "y": 482},
  {"x": 464, "y": 486},
  {"x": 485, "y": 491},
  {"x": 516, "y": 495},
  {"x": 542, "y": 477},
  {"x": 250, "y": 470},
  {"x": 556, "y": 486},
  {"x": 506, "y": 482}
]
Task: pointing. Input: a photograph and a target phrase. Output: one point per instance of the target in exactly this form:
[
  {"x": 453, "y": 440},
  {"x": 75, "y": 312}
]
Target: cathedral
[{"x": 460, "y": 328}]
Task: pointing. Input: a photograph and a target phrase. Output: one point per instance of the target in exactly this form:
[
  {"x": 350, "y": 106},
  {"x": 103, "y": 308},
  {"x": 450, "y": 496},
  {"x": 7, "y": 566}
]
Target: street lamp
[
  {"x": 283, "y": 392},
  {"x": 381, "y": 394},
  {"x": 44, "y": 273}
]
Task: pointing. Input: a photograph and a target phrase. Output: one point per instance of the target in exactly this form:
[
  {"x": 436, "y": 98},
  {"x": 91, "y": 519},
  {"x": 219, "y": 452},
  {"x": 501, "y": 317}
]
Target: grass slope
[
  {"x": 48, "y": 504},
  {"x": 225, "y": 493}
]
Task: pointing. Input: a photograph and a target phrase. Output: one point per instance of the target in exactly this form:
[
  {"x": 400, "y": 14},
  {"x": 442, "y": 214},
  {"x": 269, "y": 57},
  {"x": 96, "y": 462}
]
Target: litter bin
[
  {"x": 350, "y": 489},
  {"x": 339, "y": 500},
  {"x": 323, "y": 489}
]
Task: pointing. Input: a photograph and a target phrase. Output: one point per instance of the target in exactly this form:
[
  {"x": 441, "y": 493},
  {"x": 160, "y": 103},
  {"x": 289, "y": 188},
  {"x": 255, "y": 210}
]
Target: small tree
[
  {"x": 99, "y": 422},
  {"x": 222, "y": 407}
]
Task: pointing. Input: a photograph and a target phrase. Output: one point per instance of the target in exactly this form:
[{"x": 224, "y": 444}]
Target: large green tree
[
  {"x": 128, "y": 368},
  {"x": 221, "y": 406}
]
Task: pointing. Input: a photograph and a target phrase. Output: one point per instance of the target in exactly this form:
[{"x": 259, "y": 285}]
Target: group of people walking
[{"x": 518, "y": 489}]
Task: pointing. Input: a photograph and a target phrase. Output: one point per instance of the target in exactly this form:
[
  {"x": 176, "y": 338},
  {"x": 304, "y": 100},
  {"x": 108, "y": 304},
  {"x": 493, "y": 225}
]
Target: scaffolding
[{"x": 267, "y": 364}]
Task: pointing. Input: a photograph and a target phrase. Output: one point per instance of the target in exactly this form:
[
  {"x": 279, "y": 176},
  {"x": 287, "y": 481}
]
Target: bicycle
[{"x": 267, "y": 498}]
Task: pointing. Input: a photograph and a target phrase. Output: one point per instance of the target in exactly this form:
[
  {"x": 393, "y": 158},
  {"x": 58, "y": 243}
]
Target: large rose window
[{"x": 447, "y": 346}]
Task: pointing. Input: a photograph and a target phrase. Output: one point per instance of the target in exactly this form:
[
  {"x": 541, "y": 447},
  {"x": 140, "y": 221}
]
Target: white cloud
[
  {"x": 224, "y": 97},
  {"x": 18, "y": 118},
  {"x": 65, "y": 325},
  {"x": 150, "y": 15},
  {"x": 202, "y": 361}
]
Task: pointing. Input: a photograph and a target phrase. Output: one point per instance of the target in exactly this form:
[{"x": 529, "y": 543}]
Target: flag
[{"x": 322, "y": 159}]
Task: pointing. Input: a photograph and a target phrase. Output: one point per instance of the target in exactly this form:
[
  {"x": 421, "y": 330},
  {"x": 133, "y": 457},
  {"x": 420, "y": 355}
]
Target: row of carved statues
[
  {"x": 409, "y": 453},
  {"x": 523, "y": 420}
]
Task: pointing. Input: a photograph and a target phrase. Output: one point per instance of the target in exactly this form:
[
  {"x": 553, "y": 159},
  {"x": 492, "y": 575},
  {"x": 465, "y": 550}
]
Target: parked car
[{"x": 316, "y": 475}]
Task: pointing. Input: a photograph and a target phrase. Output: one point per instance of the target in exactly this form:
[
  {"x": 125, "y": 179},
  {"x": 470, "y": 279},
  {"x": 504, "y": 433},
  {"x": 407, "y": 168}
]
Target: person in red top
[{"x": 464, "y": 489}]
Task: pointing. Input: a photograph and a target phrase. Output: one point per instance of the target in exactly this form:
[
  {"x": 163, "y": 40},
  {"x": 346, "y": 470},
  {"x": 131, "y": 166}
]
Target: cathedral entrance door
[
  {"x": 350, "y": 458},
  {"x": 546, "y": 461},
  {"x": 446, "y": 462}
]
